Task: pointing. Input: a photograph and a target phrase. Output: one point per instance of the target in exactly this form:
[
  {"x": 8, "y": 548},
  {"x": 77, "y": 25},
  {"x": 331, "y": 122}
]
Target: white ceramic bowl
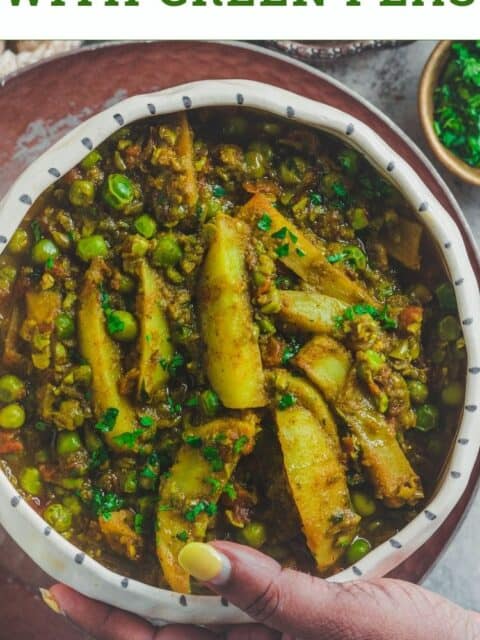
[{"x": 64, "y": 561}]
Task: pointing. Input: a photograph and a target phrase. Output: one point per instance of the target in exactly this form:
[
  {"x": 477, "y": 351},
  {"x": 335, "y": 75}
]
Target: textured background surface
[{"x": 389, "y": 80}]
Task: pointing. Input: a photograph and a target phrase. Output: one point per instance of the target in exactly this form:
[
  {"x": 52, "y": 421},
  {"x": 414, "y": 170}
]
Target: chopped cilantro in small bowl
[{"x": 449, "y": 106}]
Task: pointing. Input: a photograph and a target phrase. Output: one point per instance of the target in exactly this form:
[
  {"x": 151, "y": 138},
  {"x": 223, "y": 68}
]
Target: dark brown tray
[{"x": 42, "y": 103}]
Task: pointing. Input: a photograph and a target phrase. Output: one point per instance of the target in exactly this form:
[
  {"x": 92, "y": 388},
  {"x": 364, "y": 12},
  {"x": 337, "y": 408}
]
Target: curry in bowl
[{"x": 228, "y": 326}]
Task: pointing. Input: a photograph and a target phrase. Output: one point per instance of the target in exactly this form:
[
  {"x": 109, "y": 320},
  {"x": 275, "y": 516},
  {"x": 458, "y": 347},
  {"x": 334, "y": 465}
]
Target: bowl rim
[
  {"x": 427, "y": 84},
  {"x": 66, "y": 153}
]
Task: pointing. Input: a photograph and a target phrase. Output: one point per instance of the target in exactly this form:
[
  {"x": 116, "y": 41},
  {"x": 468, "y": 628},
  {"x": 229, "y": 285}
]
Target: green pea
[
  {"x": 349, "y": 161},
  {"x": 363, "y": 504},
  {"x": 82, "y": 193},
  {"x": 146, "y": 226},
  {"x": 357, "y": 550},
  {"x": 11, "y": 388},
  {"x": 235, "y": 126},
  {"x": 358, "y": 218},
  {"x": 375, "y": 525},
  {"x": 19, "y": 242},
  {"x": 12, "y": 416},
  {"x": 42, "y": 456},
  {"x": 93, "y": 158},
  {"x": 92, "y": 247},
  {"x": 452, "y": 394},
  {"x": 292, "y": 170},
  {"x": 119, "y": 191},
  {"x": 418, "y": 391},
  {"x": 8, "y": 273},
  {"x": 68, "y": 442},
  {"x": 449, "y": 329},
  {"x": 123, "y": 326},
  {"x": 58, "y": 516},
  {"x": 167, "y": 252},
  {"x": 130, "y": 482},
  {"x": 209, "y": 403},
  {"x": 126, "y": 284},
  {"x": 421, "y": 293},
  {"x": 427, "y": 417},
  {"x": 255, "y": 164},
  {"x": 356, "y": 257},
  {"x": 264, "y": 149},
  {"x": 254, "y": 534},
  {"x": 73, "y": 504},
  {"x": 44, "y": 250},
  {"x": 31, "y": 482},
  {"x": 446, "y": 297},
  {"x": 65, "y": 326},
  {"x": 93, "y": 442}
]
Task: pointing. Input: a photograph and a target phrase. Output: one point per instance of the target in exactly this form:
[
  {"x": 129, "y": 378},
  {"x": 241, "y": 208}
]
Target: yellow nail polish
[
  {"x": 204, "y": 563},
  {"x": 50, "y": 601}
]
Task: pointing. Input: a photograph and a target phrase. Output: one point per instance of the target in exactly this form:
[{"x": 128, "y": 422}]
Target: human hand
[{"x": 285, "y": 605}]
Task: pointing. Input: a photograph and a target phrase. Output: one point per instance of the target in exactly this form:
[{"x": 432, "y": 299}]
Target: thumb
[{"x": 311, "y": 608}]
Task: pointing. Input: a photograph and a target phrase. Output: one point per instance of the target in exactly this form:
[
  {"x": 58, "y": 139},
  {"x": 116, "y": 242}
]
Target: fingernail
[
  {"x": 205, "y": 563},
  {"x": 50, "y": 601}
]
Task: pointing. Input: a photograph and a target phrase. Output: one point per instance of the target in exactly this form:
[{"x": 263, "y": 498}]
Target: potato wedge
[
  {"x": 305, "y": 258},
  {"x": 315, "y": 471},
  {"x": 155, "y": 345},
  {"x": 187, "y": 181},
  {"x": 392, "y": 476},
  {"x": 232, "y": 358},
  {"x": 42, "y": 308},
  {"x": 403, "y": 243},
  {"x": 103, "y": 355},
  {"x": 310, "y": 311},
  {"x": 326, "y": 363},
  {"x": 188, "y": 497}
]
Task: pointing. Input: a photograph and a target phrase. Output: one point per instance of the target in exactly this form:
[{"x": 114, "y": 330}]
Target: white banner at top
[{"x": 242, "y": 19}]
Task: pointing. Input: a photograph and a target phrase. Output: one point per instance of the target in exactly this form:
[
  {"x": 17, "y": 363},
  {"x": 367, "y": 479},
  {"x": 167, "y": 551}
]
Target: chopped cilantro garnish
[
  {"x": 174, "y": 408},
  {"x": 37, "y": 232},
  {"x": 102, "y": 503},
  {"x": 229, "y": 489},
  {"x": 300, "y": 252},
  {"x": 286, "y": 401},
  {"x": 164, "y": 507},
  {"x": 149, "y": 473},
  {"x": 290, "y": 351},
  {"x": 194, "y": 441},
  {"x": 264, "y": 223},
  {"x": 281, "y": 234},
  {"x": 315, "y": 199},
  {"x": 114, "y": 323},
  {"x": 98, "y": 458},
  {"x": 146, "y": 421},
  {"x": 49, "y": 264},
  {"x": 214, "y": 483},
  {"x": 209, "y": 508},
  {"x": 173, "y": 364},
  {"x": 40, "y": 425},
  {"x": 367, "y": 309},
  {"x": 339, "y": 189},
  {"x": 212, "y": 454},
  {"x": 457, "y": 103},
  {"x": 283, "y": 250},
  {"x": 218, "y": 191},
  {"x": 182, "y": 536},
  {"x": 337, "y": 257},
  {"x": 293, "y": 237},
  {"x": 192, "y": 402},
  {"x": 239, "y": 444},
  {"x": 138, "y": 523},
  {"x": 107, "y": 421},
  {"x": 128, "y": 439}
]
